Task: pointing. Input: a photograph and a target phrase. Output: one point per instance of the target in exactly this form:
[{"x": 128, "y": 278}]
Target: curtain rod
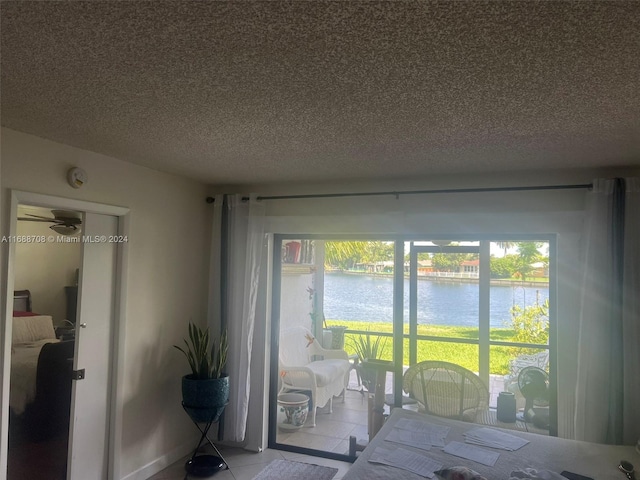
[
  {"x": 417, "y": 192},
  {"x": 424, "y": 192}
]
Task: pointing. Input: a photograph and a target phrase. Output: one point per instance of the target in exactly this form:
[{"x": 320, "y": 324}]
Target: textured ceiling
[{"x": 259, "y": 92}]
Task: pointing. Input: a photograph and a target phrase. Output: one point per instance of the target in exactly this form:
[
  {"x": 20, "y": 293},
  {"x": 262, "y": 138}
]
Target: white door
[{"x": 89, "y": 428}]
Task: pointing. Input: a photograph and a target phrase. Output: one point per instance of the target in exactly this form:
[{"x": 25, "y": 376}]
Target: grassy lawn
[{"x": 461, "y": 354}]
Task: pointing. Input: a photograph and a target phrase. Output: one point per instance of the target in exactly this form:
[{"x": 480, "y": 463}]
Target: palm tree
[
  {"x": 506, "y": 245},
  {"x": 343, "y": 254},
  {"x": 527, "y": 254},
  {"x": 347, "y": 254}
]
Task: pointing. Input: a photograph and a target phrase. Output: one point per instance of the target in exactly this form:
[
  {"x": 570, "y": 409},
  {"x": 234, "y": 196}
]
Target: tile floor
[
  {"x": 332, "y": 430},
  {"x": 331, "y": 433},
  {"x": 245, "y": 465}
]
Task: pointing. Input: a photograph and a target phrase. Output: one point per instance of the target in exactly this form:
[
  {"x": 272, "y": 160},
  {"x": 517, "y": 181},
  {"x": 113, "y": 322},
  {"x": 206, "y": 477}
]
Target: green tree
[
  {"x": 450, "y": 262},
  {"x": 343, "y": 255},
  {"x": 505, "y": 245},
  {"x": 531, "y": 324},
  {"x": 527, "y": 254},
  {"x": 378, "y": 252},
  {"x": 504, "y": 267},
  {"x": 347, "y": 255},
  {"x": 421, "y": 256}
]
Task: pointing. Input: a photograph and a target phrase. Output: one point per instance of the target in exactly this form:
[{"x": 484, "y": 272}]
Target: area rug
[{"x": 286, "y": 469}]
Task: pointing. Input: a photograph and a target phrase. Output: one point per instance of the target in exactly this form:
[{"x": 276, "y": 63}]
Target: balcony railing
[
  {"x": 448, "y": 274},
  {"x": 511, "y": 350}
]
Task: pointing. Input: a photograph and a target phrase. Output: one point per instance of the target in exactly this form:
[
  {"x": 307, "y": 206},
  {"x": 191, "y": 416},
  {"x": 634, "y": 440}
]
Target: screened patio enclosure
[{"x": 486, "y": 304}]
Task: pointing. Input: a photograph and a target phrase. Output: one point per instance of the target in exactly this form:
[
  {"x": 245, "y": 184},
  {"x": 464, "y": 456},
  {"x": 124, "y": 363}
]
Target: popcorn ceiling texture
[{"x": 260, "y": 92}]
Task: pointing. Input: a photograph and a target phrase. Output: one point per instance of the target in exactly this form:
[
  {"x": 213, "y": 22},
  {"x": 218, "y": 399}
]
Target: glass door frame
[
  {"x": 414, "y": 250},
  {"x": 484, "y": 340},
  {"x": 276, "y": 278}
]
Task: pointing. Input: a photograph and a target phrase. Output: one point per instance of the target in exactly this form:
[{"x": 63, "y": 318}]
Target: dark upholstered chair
[{"x": 48, "y": 415}]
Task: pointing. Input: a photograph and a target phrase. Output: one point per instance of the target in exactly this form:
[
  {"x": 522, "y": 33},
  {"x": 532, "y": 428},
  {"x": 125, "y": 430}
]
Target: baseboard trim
[{"x": 160, "y": 463}]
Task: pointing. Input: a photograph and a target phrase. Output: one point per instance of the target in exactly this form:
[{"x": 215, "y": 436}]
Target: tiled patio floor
[{"x": 332, "y": 430}]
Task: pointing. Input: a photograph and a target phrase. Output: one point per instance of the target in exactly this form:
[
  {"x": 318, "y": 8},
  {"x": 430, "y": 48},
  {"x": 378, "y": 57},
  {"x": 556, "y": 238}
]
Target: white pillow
[{"x": 32, "y": 329}]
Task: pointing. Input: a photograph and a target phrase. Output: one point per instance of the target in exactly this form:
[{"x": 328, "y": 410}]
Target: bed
[
  {"x": 599, "y": 462},
  {"x": 30, "y": 334},
  {"x": 41, "y": 365}
]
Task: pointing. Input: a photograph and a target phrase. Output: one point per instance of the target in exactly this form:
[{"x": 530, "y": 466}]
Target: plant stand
[
  {"x": 205, "y": 465},
  {"x": 376, "y": 405}
]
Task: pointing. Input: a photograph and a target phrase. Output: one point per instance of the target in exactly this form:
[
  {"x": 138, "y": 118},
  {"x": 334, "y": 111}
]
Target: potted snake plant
[
  {"x": 205, "y": 391},
  {"x": 368, "y": 351}
]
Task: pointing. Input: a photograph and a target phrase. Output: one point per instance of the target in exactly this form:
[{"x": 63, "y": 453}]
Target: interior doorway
[
  {"x": 46, "y": 276},
  {"x": 92, "y": 419}
]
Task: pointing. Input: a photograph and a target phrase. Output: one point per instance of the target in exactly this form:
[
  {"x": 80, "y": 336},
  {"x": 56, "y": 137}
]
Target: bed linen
[
  {"x": 29, "y": 334},
  {"x": 24, "y": 368}
]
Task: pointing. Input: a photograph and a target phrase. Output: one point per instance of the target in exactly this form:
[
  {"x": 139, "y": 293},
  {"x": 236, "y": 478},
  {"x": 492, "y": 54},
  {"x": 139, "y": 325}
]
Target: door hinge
[{"x": 77, "y": 374}]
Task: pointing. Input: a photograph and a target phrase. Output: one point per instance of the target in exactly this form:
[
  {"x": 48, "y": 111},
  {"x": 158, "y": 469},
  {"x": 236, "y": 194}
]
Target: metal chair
[{"x": 446, "y": 390}]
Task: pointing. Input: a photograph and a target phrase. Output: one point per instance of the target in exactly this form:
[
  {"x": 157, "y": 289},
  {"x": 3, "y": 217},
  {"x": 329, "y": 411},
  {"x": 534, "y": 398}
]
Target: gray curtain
[
  {"x": 241, "y": 257},
  {"x": 608, "y": 385}
]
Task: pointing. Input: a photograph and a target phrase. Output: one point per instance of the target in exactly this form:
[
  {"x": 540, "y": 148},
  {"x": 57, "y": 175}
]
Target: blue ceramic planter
[{"x": 204, "y": 400}]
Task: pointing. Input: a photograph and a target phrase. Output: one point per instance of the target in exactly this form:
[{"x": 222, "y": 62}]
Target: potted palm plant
[
  {"x": 368, "y": 350},
  {"x": 205, "y": 391}
]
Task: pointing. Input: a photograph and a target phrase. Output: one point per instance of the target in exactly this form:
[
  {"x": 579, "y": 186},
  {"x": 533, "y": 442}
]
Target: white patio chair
[
  {"x": 306, "y": 366},
  {"x": 540, "y": 360}
]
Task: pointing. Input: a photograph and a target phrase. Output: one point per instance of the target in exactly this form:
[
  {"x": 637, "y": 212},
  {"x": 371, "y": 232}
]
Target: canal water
[{"x": 370, "y": 299}]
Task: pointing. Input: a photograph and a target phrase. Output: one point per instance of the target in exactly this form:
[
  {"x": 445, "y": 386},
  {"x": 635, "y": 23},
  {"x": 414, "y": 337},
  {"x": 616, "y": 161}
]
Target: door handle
[{"x": 83, "y": 325}]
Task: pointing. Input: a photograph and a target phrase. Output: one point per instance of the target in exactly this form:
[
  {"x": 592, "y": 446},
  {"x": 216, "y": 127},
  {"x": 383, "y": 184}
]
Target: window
[{"x": 483, "y": 303}]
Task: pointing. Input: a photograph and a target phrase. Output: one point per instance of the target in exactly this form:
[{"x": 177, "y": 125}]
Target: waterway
[{"x": 370, "y": 299}]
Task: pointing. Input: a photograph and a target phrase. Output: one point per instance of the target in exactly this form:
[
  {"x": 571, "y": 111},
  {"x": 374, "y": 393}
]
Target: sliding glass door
[
  {"x": 444, "y": 302},
  {"x": 482, "y": 303},
  {"x": 335, "y": 294}
]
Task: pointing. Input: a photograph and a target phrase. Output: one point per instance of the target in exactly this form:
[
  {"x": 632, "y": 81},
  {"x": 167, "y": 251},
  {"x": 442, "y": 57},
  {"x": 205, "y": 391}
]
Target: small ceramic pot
[{"x": 296, "y": 409}]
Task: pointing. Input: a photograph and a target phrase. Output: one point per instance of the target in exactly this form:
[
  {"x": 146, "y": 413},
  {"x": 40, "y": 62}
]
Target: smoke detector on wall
[{"x": 76, "y": 177}]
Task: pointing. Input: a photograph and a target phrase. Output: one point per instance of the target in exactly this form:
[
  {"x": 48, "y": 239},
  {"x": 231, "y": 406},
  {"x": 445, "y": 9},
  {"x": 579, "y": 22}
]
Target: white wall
[
  {"x": 45, "y": 269},
  {"x": 550, "y": 212},
  {"x": 167, "y": 280},
  {"x": 295, "y": 304}
]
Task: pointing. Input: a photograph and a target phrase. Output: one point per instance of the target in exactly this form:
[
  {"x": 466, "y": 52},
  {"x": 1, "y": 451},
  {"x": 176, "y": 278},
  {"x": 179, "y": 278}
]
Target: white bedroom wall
[
  {"x": 167, "y": 281},
  {"x": 45, "y": 269}
]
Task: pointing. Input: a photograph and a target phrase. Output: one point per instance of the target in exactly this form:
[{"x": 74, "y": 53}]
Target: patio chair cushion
[
  {"x": 305, "y": 365},
  {"x": 326, "y": 371}
]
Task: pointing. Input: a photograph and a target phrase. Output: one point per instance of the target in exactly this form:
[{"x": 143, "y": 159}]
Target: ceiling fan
[{"x": 65, "y": 222}]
